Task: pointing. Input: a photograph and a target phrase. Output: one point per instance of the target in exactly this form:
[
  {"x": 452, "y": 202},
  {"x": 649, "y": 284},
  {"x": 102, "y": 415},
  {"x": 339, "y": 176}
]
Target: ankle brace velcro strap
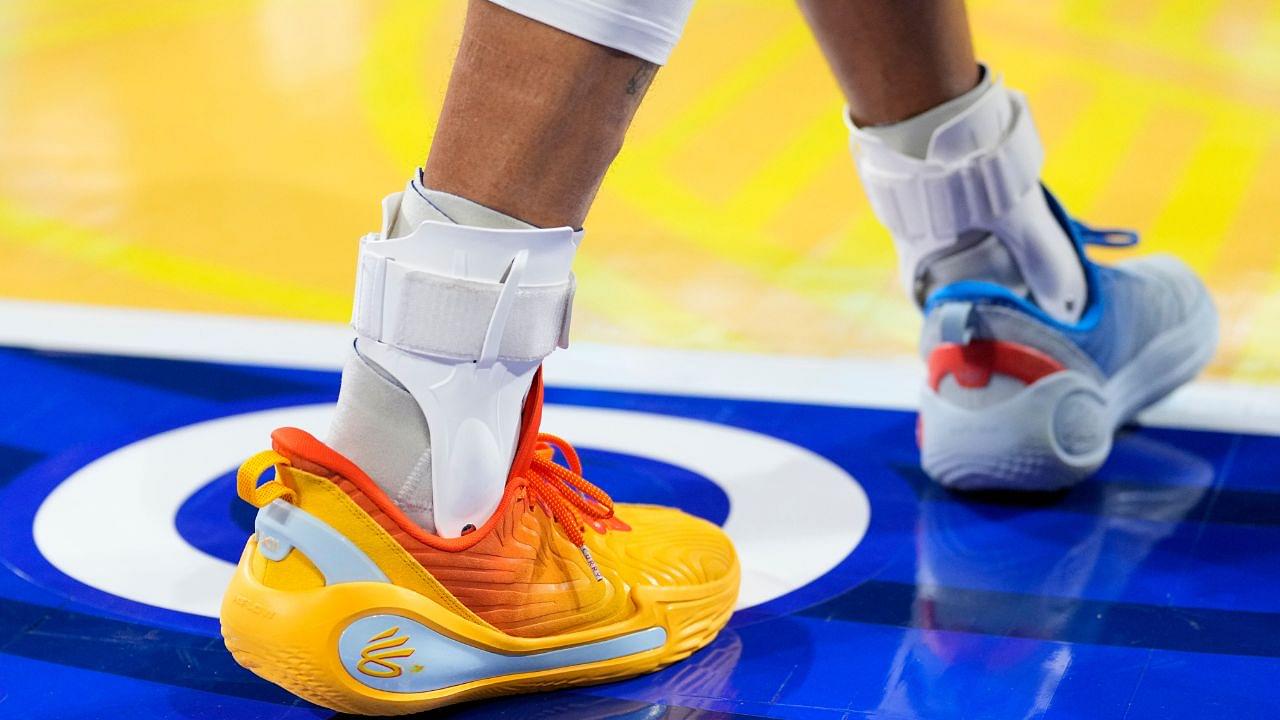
[
  {"x": 941, "y": 201},
  {"x": 460, "y": 319}
]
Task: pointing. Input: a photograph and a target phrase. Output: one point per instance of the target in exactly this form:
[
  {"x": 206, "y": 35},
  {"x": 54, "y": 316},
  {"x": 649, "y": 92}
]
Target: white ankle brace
[
  {"x": 462, "y": 317},
  {"x": 980, "y": 176}
]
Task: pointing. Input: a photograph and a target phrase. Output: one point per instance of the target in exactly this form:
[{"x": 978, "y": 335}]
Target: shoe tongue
[{"x": 530, "y": 423}]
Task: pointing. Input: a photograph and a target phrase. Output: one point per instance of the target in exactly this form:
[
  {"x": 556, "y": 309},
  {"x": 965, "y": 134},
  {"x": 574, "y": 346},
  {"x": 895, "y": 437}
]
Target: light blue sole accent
[
  {"x": 431, "y": 661},
  {"x": 280, "y": 527}
]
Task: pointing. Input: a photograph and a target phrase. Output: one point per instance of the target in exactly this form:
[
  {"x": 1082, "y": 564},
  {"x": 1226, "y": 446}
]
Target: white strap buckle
[{"x": 447, "y": 317}]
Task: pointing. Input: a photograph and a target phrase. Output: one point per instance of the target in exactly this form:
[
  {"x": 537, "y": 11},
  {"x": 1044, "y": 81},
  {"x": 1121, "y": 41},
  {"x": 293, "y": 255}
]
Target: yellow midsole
[{"x": 291, "y": 637}]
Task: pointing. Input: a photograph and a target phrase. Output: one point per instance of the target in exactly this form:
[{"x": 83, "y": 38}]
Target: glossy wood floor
[{"x": 224, "y": 156}]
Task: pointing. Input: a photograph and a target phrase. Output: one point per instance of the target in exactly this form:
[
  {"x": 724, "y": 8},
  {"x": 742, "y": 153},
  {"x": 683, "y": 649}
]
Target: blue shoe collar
[{"x": 1081, "y": 235}]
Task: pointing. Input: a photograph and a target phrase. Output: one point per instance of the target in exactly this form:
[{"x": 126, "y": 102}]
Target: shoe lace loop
[
  {"x": 565, "y": 494},
  {"x": 1105, "y": 237}
]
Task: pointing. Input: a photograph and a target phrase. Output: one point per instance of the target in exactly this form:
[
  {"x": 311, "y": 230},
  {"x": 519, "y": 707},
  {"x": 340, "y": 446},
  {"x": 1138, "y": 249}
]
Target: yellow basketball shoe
[{"x": 344, "y": 601}]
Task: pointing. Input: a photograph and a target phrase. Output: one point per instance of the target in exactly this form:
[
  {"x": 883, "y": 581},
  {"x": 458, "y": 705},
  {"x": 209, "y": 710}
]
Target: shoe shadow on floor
[{"x": 1007, "y": 583}]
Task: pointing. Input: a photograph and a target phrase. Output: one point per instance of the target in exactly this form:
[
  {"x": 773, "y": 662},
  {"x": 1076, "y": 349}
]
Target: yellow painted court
[{"x": 224, "y": 156}]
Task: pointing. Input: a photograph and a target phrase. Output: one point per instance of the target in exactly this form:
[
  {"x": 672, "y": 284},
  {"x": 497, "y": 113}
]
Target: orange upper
[{"x": 523, "y": 572}]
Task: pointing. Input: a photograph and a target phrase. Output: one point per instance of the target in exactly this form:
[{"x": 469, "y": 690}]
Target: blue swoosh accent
[{"x": 446, "y": 662}]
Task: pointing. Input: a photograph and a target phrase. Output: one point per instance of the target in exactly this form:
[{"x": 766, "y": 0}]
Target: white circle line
[{"x": 793, "y": 516}]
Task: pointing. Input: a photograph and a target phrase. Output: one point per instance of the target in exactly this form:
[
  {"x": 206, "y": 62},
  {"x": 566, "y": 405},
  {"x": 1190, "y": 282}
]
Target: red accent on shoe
[{"x": 973, "y": 364}]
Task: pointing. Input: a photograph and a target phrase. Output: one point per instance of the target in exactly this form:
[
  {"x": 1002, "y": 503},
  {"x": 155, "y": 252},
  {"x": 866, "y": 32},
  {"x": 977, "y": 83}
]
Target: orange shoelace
[{"x": 565, "y": 494}]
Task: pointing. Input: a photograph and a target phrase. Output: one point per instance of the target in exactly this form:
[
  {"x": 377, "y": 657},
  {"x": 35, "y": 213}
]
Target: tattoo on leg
[{"x": 640, "y": 79}]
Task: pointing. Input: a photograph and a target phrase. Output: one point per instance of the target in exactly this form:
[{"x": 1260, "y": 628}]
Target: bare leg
[
  {"x": 532, "y": 118},
  {"x": 895, "y": 58}
]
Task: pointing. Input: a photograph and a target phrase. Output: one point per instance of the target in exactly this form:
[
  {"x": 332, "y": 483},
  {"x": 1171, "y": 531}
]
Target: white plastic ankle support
[
  {"x": 462, "y": 317},
  {"x": 931, "y": 203},
  {"x": 982, "y": 173}
]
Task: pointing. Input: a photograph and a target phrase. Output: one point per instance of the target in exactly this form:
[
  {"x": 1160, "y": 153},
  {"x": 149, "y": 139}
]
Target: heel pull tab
[
  {"x": 957, "y": 323},
  {"x": 252, "y": 470}
]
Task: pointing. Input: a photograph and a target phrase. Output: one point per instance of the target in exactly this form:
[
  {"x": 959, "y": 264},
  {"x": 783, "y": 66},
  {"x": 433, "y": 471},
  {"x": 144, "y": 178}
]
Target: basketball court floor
[{"x": 181, "y": 188}]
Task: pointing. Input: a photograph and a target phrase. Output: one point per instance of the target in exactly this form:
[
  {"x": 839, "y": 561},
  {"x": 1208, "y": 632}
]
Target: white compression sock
[
  {"x": 912, "y": 136},
  {"x": 425, "y": 204},
  {"x": 958, "y": 187},
  {"x": 431, "y": 401}
]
